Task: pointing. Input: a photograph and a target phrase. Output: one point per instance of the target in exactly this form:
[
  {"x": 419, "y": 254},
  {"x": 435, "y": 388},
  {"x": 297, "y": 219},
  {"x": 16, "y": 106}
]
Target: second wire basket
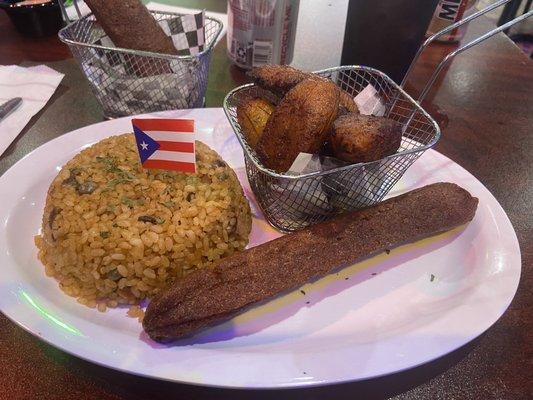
[{"x": 128, "y": 82}]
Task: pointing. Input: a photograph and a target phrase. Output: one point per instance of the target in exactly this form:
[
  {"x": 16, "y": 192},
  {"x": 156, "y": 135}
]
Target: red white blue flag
[{"x": 166, "y": 143}]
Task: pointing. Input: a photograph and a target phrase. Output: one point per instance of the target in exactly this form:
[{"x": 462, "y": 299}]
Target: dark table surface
[{"x": 484, "y": 104}]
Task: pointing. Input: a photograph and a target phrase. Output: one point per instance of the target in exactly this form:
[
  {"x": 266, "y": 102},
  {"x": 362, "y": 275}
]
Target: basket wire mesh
[
  {"x": 128, "y": 82},
  {"x": 292, "y": 202}
]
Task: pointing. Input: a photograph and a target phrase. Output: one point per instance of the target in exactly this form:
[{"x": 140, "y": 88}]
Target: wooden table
[{"x": 484, "y": 105}]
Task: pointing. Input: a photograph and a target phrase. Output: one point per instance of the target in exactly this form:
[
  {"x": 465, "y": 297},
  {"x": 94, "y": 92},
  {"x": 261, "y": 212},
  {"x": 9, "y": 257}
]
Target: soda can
[
  {"x": 261, "y": 31},
  {"x": 447, "y": 13}
]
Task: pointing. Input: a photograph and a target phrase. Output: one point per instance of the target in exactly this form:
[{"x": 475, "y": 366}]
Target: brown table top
[{"x": 483, "y": 103}]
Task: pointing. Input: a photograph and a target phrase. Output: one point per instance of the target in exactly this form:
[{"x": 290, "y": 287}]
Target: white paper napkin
[{"x": 35, "y": 85}]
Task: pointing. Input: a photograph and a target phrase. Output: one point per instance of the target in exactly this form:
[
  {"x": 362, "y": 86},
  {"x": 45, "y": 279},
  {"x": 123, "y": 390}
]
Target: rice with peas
[{"x": 114, "y": 233}]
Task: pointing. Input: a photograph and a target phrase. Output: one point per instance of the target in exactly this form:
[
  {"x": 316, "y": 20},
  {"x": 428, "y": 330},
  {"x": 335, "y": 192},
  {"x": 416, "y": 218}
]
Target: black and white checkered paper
[
  {"x": 187, "y": 33},
  {"x": 124, "y": 90}
]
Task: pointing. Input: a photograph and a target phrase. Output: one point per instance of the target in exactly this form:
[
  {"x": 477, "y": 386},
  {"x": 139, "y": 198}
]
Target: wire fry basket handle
[
  {"x": 462, "y": 48},
  {"x": 64, "y": 10}
]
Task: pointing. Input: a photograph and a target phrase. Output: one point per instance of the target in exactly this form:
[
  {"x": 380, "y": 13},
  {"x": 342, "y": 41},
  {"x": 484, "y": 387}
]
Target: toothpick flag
[{"x": 166, "y": 143}]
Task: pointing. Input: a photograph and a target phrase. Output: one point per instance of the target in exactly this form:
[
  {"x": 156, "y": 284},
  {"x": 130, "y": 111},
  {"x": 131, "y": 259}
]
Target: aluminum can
[
  {"x": 447, "y": 13},
  {"x": 261, "y": 31}
]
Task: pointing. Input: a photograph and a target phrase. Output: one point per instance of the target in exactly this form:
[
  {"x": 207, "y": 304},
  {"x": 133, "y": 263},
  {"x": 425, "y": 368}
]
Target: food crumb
[
  {"x": 346, "y": 278},
  {"x": 387, "y": 251},
  {"x": 136, "y": 312},
  {"x": 302, "y": 292},
  {"x": 307, "y": 302},
  {"x": 374, "y": 273}
]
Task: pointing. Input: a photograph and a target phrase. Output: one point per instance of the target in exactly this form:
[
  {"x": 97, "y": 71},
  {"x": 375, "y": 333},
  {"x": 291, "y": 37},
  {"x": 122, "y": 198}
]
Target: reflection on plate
[{"x": 380, "y": 316}]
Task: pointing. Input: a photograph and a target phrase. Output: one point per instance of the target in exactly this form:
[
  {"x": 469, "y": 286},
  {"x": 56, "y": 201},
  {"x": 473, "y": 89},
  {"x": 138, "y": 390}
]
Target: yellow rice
[{"x": 114, "y": 233}]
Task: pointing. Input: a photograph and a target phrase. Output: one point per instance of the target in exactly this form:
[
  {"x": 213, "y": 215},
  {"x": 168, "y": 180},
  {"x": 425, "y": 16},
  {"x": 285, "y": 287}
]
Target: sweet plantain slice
[
  {"x": 300, "y": 123},
  {"x": 279, "y": 79},
  {"x": 252, "y": 115}
]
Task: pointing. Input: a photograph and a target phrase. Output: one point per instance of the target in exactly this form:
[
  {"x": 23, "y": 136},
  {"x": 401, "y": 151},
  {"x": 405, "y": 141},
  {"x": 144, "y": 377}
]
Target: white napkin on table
[{"x": 35, "y": 85}]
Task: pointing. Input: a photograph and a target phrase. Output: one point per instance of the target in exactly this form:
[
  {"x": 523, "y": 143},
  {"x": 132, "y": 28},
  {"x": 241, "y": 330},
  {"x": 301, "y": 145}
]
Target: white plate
[{"x": 384, "y": 315}]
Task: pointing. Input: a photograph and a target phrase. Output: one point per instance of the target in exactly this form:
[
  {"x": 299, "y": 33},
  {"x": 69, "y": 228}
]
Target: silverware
[{"x": 9, "y": 106}]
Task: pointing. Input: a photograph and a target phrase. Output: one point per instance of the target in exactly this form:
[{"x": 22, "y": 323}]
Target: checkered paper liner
[
  {"x": 187, "y": 32},
  {"x": 130, "y": 82}
]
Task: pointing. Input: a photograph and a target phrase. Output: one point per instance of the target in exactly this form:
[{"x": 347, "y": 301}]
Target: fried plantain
[
  {"x": 363, "y": 138},
  {"x": 279, "y": 79},
  {"x": 300, "y": 123},
  {"x": 253, "y": 114},
  {"x": 347, "y": 103}
]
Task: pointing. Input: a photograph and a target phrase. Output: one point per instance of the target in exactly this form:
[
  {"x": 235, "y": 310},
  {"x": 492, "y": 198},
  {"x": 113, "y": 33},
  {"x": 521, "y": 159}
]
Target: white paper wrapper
[
  {"x": 369, "y": 102},
  {"x": 306, "y": 163},
  {"x": 357, "y": 187},
  {"x": 304, "y": 195},
  {"x": 128, "y": 94}
]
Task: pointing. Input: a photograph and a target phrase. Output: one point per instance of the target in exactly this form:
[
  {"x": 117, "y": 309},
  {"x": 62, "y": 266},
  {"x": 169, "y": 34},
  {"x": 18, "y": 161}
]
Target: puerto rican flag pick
[{"x": 166, "y": 143}]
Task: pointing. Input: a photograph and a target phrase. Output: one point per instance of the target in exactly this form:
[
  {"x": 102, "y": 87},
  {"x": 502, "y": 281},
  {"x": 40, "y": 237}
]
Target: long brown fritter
[
  {"x": 207, "y": 297},
  {"x": 300, "y": 123},
  {"x": 130, "y": 25},
  {"x": 279, "y": 79}
]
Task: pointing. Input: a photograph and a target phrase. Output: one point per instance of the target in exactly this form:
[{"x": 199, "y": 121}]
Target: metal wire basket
[
  {"x": 128, "y": 82},
  {"x": 293, "y": 202}
]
